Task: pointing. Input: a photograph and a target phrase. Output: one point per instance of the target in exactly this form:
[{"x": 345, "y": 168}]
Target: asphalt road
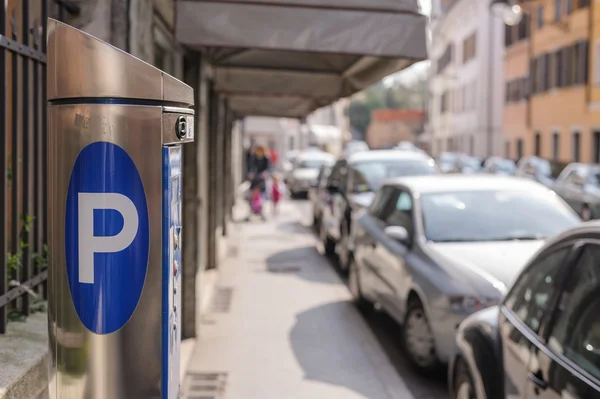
[{"x": 387, "y": 330}]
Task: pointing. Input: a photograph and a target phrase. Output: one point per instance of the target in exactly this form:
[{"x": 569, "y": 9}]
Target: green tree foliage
[{"x": 398, "y": 95}]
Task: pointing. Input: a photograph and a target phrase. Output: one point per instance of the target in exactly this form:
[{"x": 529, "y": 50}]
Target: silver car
[
  {"x": 306, "y": 170},
  {"x": 579, "y": 185},
  {"x": 431, "y": 250}
]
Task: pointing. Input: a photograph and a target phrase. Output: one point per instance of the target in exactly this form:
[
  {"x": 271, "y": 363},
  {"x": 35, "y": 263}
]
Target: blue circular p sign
[{"x": 106, "y": 237}]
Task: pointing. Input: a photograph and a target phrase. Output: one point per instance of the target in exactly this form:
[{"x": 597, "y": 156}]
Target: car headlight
[{"x": 470, "y": 304}]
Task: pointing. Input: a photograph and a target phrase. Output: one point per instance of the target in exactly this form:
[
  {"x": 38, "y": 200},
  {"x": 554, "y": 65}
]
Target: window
[
  {"x": 582, "y": 66},
  {"x": 357, "y": 182},
  {"x": 523, "y": 28},
  {"x": 576, "y": 146},
  {"x": 444, "y": 102},
  {"x": 597, "y": 62},
  {"x": 538, "y": 144},
  {"x": 376, "y": 171},
  {"x": 519, "y": 148},
  {"x": 540, "y": 17},
  {"x": 576, "y": 334},
  {"x": 596, "y": 149},
  {"x": 446, "y": 58},
  {"x": 531, "y": 294},
  {"x": 507, "y": 149},
  {"x": 471, "y": 145},
  {"x": 379, "y": 201},
  {"x": 557, "y": 10},
  {"x": 569, "y": 6},
  {"x": 555, "y": 146},
  {"x": 583, "y": 3},
  {"x": 401, "y": 215},
  {"x": 508, "y": 36},
  {"x": 337, "y": 175},
  {"x": 469, "y": 47},
  {"x": 493, "y": 215}
]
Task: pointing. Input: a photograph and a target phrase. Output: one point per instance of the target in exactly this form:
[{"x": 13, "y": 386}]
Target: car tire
[
  {"x": 345, "y": 256},
  {"x": 418, "y": 340},
  {"x": 586, "y": 213},
  {"x": 463, "y": 382},
  {"x": 328, "y": 243},
  {"x": 356, "y": 290}
]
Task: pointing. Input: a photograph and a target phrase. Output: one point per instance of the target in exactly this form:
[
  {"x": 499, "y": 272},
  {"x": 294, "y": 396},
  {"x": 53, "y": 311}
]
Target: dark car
[
  {"x": 317, "y": 194},
  {"x": 431, "y": 250},
  {"x": 543, "y": 340},
  {"x": 351, "y": 186}
]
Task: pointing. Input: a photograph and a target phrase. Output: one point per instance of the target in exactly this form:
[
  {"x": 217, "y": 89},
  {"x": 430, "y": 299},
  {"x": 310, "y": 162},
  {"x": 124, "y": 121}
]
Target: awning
[{"x": 289, "y": 57}]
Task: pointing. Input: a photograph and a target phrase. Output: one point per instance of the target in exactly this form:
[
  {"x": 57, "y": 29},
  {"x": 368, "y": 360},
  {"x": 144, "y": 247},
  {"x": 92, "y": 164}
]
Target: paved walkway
[{"x": 281, "y": 325}]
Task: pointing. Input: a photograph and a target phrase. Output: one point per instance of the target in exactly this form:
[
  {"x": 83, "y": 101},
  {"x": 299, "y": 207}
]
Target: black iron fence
[{"x": 23, "y": 181}]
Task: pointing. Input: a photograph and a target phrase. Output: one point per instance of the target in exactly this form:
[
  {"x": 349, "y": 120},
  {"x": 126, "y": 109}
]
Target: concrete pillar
[
  {"x": 191, "y": 206},
  {"x": 213, "y": 177}
]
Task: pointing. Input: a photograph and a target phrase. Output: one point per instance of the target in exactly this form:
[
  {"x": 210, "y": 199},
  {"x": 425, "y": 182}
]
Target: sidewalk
[{"x": 281, "y": 325}]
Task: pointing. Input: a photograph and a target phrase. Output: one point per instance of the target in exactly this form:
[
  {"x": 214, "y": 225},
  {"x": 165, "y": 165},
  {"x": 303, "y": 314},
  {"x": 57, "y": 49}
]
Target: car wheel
[
  {"x": 586, "y": 213},
  {"x": 355, "y": 289},
  {"x": 463, "y": 383},
  {"x": 418, "y": 339},
  {"x": 344, "y": 252},
  {"x": 328, "y": 243}
]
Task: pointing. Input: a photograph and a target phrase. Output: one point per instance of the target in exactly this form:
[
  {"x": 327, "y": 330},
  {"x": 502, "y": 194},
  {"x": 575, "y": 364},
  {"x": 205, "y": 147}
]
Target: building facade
[
  {"x": 561, "y": 109},
  {"x": 465, "y": 85},
  {"x": 388, "y": 127}
]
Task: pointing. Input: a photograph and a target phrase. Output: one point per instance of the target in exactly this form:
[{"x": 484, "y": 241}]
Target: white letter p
[{"x": 90, "y": 244}]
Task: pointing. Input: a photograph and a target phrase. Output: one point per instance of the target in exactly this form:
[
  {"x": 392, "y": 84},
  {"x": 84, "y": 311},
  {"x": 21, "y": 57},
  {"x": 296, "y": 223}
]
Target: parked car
[
  {"x": 543, "y": 340},
  {"x": 579, "y": 186},
  {"x": 306, "y": 170},
  {"x": 355, "y": 146},
  {"x": 465, "y": 164},
  {"x": 288, "y": 164},
  {"x": 446, "y": 161},
  {"x": 317, "y": 193},
  {"x": 432, "y": 250},
  {"x": 539, "y": 169},
  {"x": 351, "y": 186},
  {"x": 499, "y": 166}
]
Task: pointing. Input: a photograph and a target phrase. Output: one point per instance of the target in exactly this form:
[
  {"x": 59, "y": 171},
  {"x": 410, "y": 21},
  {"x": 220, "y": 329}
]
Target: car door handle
[{"x": 538, "y": 380}]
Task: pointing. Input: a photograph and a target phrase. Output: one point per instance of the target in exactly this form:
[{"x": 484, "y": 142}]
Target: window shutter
[
  {"x": 585, "y": 54},
  {"x": 533, "y": 76}
]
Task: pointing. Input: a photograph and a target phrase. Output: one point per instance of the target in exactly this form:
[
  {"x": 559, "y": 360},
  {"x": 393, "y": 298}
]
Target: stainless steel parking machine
[{"x": 115, "y": 129}]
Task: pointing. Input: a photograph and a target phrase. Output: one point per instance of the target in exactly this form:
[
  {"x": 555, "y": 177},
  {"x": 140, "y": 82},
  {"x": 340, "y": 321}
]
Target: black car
[
  {"x": 543, "y": 341},
  {"x": 317, "y": 194},
  {"x": 351, "y": 187}
]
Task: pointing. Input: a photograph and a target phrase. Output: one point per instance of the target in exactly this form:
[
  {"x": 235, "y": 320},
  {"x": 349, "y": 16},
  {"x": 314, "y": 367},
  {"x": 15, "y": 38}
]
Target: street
[
  {"x": 385, "y": 330},
  {"x": 281, "y": 325}
]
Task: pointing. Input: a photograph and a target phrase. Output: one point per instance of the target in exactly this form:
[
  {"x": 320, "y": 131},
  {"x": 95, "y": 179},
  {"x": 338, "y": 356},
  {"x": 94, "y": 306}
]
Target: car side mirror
[{"x": 398, "y": 233}]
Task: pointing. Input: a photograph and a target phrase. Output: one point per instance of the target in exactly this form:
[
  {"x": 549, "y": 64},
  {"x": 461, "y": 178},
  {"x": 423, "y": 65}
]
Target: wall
[{"x": 476, "y": 125}]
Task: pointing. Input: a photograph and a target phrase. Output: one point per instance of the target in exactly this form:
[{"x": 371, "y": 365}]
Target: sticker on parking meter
[{"x": 106, "y": 237}]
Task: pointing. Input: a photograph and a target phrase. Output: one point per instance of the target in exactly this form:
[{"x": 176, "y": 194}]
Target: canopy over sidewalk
[{"x": 287, "y": 58}]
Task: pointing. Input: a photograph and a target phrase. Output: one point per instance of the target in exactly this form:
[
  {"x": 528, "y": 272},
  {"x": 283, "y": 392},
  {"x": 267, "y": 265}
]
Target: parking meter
[{"x": 115, "y": 129}]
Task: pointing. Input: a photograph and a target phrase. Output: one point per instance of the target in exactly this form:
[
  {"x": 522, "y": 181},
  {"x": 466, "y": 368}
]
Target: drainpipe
[{"x": 491, "y": 97}]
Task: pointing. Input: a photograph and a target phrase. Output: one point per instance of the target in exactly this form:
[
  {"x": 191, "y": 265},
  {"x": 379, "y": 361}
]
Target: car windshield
[
  {"x": 313, "y": 163},
  {"x": 374, "y": 173},
  {"x": 494, "y": 216}
]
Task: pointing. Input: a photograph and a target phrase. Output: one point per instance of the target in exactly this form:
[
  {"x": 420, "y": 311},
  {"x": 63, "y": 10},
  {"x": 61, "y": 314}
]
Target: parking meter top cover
[{"x": 100, "y": 70}]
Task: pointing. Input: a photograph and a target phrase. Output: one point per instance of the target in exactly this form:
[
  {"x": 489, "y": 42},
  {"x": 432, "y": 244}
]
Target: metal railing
[{"x": 23, "y": 159}]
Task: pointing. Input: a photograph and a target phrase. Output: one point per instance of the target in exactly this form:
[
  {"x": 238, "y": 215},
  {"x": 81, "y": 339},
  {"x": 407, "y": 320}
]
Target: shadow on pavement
[
  {"x": 327, "y": 344},
  {"x": 305, "y": 263},
  {"x": 294, "y": 227}
]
